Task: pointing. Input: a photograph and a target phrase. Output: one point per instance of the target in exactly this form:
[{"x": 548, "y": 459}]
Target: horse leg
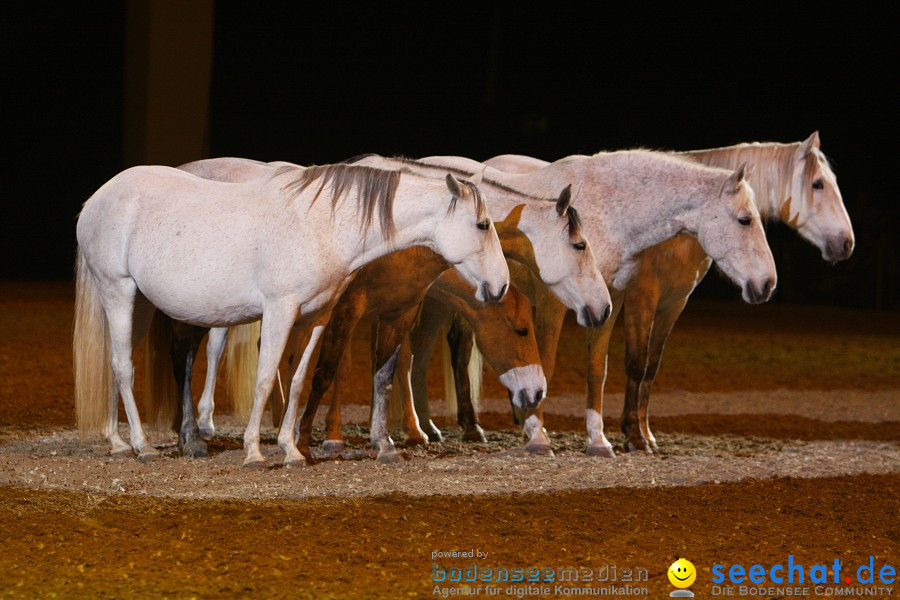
[
  {"x": 276, "y": 327},
  {"x": 296, "y": 340},
  {"x": 185, "y": 344},
  {"x": 598, "y": 346},
  {"x": 390, "y": 334},
  {"x": 215, "y": 347},
  {"x": 461, "y": 340},
  {"x": 383, "y": 381},
  {"x": 128, "y": 315},
  {"x": 432, "y": 317},
  {"x": 292, "y": 455},
  {"x": 641, "y": 304},
  {"x": 335, "y": 343},
  {"x": 334, "y": 439},
  {"x": 662, "y": 327}
]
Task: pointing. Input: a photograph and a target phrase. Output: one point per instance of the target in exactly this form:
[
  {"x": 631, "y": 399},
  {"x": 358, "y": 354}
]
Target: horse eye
[
  {"x": 580, "y": 246},
  {"x": 484, "y": 225},
  {"x": 523, "y": 332},
  {"x": 818, "y": 184},
  {"x": 745, "y": 221}
]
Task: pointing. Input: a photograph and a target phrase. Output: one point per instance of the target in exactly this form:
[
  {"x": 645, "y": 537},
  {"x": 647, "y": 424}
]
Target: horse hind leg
[
  {"x": 128, "y": 315},
  {"x": 433, "y": 314},
  {"x": 598, "y": 347},
  {"x": 381, "y": 393},
  {"x": 186, "y": 343},
  {"x": 215, "y": 347}
]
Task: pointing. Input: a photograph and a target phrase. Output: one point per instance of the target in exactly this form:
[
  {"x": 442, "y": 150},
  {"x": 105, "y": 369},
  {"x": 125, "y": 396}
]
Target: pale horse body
[
  {"x": 219, "y": 254},
  {"x": 794, "y": 184},
  {"x": 630, "y": 201},
  {"x": 546, "y": 235}
]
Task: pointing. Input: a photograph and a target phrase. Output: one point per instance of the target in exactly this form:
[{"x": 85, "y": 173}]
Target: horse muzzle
[
  {"x": 838, "y": 248},
  {"x": 588, "y": 318}
]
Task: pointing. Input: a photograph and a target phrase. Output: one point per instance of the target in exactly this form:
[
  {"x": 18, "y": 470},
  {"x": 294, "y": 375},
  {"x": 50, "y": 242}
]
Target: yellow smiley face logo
[{"x": 682, "y": 573}]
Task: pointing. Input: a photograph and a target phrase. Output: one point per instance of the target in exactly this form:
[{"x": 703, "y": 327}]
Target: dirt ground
[{"x": 779, "y": 429}]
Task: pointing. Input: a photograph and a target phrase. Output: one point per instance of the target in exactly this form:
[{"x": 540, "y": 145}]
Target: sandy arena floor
[{"x": 785, "y": 443}]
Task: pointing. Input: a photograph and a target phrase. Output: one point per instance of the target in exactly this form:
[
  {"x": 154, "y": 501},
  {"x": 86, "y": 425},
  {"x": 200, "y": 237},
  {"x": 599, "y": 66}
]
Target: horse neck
[
  {"x": 418, "y": 208},
  {"x": 452, "y": 289},
  {"x": 771, "y": 175}
]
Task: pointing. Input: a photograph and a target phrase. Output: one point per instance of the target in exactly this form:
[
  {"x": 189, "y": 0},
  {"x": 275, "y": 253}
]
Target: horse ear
[
  {"x": 733, "y": 183},
  {"x": 454, "y": 186},
  {"x": 811, "y": 142},
  {"x": 564, "y": 200}
]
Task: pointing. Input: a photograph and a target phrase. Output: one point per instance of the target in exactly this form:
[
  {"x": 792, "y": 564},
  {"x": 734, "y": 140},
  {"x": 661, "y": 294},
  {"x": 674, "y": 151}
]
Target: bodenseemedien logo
[{"x": 682, "y": 575}]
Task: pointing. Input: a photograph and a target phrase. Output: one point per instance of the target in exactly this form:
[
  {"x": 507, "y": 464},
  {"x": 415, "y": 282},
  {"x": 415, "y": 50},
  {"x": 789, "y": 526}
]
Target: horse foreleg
[
  {"x": 597, "y": 348},
  {"x": 550, "y": 314},
  {"x": 393, "y": 333},
  {"x": 432, "y": 316},
  {"x": 215, "y": 347},
  {"x": 662, "y": 327},
  {"x": 276, "y": 327},
  {"x": 185, "y": 344},
  {"x": 641, "y": 303},
  {"x": 381, "y": 392},
  {"x": 461, "y": 340},
  {"x": 334, "y": 439},
  {"x": 292, "y": 455}
]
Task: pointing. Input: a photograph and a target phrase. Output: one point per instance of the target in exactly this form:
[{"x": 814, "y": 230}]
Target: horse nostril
[
  {"x": 606, "y": 313},
  {"x": 768, "y": 286},
  {"x": 538, "y": 396},
  {"x": 503, "y": 291},
  {"x": 848, "y": 246}
]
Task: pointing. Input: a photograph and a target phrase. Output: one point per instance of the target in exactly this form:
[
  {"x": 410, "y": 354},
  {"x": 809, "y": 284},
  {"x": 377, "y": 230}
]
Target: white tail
[
  {"x": 95, "y": 392},
  {"x": 475, "y": 368},
  {"x": 241, "y": 364},
  {"x": 162, "y": 394}
]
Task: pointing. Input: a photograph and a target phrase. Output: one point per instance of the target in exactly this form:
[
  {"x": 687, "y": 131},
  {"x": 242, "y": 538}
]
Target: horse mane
[
  {"x": 573, "y": 223},
  {"x": 375, "y": 190},
  {"x": 772, "y": 172}
]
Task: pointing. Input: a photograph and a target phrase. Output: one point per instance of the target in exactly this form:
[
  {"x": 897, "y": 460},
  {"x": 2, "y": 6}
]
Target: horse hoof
[
  {"x": 195, "y": 449},
  {"x": 256, "y": 465},
  {"x": 416, "y": 440},
  {"x": 333, "y": 446},
  {"x": 434, "y": 434},
  {"x": 475, "y": 434},
  {"x": 207, "y": 434},
  {"x": 125, "y": 452},
  {"x": 640, "y": 446},
  {"x": 600, "y": 450},
  {"x": 294, "y": 463},
  {"x": 539, "y": 449},
  {"x": 148, "y": 455},
  {"x": 391, "y": 457}
]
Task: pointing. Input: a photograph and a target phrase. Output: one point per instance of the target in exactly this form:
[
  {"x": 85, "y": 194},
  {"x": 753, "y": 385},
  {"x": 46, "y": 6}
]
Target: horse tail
[
  {"x": 450, "y": 399},
  {"x": 241, "y": 363},
  {"x": 475, "y": 369},
  {"x": 95, "y": 391},
  {"x": 161, "y": 394}
]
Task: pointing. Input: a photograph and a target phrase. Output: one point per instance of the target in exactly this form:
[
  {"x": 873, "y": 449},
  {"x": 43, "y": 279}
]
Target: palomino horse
[
  {"x": 794, "y": 184},
  {"x": 633, "y": 201},
  {"x": 219, "y": 254}
]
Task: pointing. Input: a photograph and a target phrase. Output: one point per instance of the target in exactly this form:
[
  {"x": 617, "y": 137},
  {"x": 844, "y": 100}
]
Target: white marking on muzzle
[{"x": 529, "y": 379}]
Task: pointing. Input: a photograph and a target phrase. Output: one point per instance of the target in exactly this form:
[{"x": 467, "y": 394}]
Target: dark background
[{"x": 318, "y": 83}]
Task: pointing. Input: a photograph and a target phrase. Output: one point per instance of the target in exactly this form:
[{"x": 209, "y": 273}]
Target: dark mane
[{"x": 375, "y": 190}]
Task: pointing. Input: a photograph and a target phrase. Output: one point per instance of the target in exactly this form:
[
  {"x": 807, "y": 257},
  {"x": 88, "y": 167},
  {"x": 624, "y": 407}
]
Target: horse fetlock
[{"x": 474, "y": 433}]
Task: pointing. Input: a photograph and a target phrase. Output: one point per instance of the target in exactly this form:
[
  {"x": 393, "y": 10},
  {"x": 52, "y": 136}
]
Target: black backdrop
[{"x": 317, "y": 83}]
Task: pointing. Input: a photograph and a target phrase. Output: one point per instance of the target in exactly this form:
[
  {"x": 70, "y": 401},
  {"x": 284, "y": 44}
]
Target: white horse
[
  {"x": 793, "y": 183},
  {"x": 631, "y": 201},
  {"x": 277, "y": 247}
]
